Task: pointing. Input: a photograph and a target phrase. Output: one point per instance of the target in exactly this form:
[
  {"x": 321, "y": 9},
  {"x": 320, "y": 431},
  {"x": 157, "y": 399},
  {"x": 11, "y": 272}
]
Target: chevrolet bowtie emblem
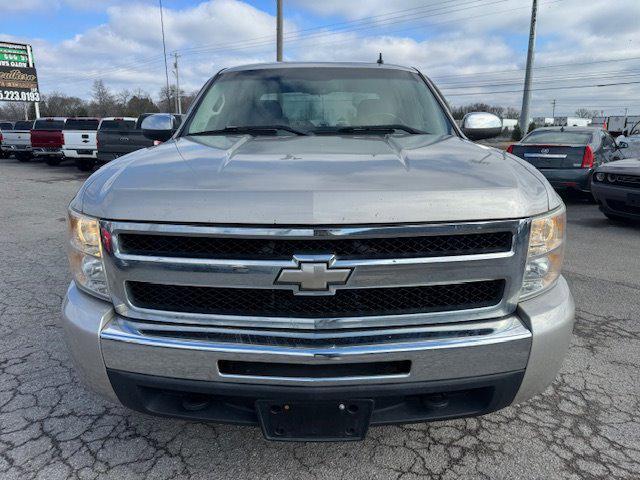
[{"x": 313, "y": 277}]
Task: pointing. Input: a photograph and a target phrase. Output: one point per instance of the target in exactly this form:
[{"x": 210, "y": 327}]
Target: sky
[{"x": 474, "y": 50}]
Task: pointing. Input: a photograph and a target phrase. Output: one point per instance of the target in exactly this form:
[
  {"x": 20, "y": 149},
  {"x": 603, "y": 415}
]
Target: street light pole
[
  {"x": 178, "y": 99},
  {"x": 279, "y": 31},
  {"x": 164, "y": 49},
  {"x": 526, "y": 96}
]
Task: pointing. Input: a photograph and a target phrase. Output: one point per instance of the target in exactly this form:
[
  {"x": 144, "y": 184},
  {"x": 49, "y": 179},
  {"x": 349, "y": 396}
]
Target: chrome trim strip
[
  {"x": 544, "y": 155},
  {"x": 473, "y": 348},
  {"x": 367, "y": 273}
]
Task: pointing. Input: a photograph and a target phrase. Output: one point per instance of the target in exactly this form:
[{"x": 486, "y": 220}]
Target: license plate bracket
[{"x": 314, "y": 421}]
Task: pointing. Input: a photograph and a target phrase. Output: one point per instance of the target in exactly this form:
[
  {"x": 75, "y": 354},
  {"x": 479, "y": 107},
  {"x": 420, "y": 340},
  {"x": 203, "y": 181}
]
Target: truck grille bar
[{"x": 399, "y": 274}]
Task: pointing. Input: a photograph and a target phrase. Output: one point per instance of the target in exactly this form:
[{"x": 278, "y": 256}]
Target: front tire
[
  {"x": 53, "y": 161},
  {"x": 85, "y": 164}
]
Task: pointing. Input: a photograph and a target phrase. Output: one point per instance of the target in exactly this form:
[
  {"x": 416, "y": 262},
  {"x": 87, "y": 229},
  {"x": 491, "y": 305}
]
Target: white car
[{"x": 80, "y": 141}]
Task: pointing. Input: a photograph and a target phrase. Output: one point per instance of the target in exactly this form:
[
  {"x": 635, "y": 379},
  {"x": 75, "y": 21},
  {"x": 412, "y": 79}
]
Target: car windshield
[
  {"x": 558, "y": 137},
  {"x": 49, "y": 125},
  {"x": 25, "y": 125},
  {"x": 118, "y": 125},
  {"x": 320, "y": 100},
  {"x": 81, "y": 124}
]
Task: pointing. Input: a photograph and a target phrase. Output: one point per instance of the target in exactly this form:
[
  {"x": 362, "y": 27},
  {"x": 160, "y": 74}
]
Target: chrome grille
[
  {"x": 458, "y": 277},
  {"x": 283, "y": 248}
]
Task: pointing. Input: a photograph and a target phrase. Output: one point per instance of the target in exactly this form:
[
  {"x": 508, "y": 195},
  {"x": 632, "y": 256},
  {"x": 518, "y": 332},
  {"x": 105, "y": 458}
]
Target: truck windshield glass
[
  {"x": 81, "y": 124},
  {"x": 558, "y": 137},
  {"x": 49, "y": 125},
  {"x": 118, "y": 125},
  {"x": 320, "y": 100},
  {"x": 23, "y": 125}
]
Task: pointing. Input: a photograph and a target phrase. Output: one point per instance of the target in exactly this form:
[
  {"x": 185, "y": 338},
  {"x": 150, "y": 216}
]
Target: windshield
[
  {"x": 81, "y": 124},
  {"x": 558, "y": 137},
  {"x": 319, "y": 100},
  {"x": 49, "y": 124},
  {"x": 25, "y": 125},
  {"x": 118, "y": 125}
]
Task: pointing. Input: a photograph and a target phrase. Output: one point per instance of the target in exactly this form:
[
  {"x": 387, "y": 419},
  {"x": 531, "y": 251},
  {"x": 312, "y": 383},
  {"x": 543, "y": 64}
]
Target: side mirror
[
  {"x": 622, "y": 145},
  {"x": 479, "y": 125},
  {"x": 160, "y": 126}
]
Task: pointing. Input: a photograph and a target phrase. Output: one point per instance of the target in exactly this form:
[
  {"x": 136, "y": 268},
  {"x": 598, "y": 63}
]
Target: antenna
[{"x": 380, "y": 61}]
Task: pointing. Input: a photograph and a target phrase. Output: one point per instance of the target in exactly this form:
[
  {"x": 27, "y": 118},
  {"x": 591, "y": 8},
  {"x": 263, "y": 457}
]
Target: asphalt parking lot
[{"x": 586, "y": 426}]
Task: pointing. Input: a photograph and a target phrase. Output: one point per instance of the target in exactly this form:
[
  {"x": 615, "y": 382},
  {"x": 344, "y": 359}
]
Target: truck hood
[{"x": 315, "y": 180}]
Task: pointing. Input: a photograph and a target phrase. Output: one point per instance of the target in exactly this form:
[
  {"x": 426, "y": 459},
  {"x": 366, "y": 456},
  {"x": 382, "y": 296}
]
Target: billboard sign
[{"x": 18, "y": 77}]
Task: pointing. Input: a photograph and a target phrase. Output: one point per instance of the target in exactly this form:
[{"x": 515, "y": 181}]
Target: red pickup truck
[{"x": 47, "y": 139}]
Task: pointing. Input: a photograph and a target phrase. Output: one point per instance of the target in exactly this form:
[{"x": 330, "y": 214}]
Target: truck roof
[{"x": 285, "y": 65}]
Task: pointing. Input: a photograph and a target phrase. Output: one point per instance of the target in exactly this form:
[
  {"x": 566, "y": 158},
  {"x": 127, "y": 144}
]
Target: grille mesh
[
  {"x": 255, "y": 248},
  {"x": 345, "y": 303}
]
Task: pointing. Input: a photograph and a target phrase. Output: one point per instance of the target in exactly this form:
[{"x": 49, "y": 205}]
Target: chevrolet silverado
[{"x": 318, "y": 248}]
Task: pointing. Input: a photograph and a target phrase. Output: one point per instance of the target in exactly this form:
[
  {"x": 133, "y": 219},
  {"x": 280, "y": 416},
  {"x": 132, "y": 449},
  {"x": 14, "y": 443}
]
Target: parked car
[
  {"x": 567, "y": 156},
  {"x": 119, "y": 136},
  {"x": 47, "y": 139},
  {"x": 616, "y": 188},
  {"x": 18, "y": 140},
  {"x": 6, "y": 126},
  {"x": 318, "y": 248},
  {"x": 79, "y": 136}
]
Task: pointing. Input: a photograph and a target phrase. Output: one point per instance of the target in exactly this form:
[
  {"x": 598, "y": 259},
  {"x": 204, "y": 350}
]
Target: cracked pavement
[{"x": 585, "y": 426}]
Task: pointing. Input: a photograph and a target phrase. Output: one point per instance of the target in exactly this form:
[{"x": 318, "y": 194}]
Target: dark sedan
[
  {"x": 616, "y": 188},
  {"x": 567, "y": 156}
]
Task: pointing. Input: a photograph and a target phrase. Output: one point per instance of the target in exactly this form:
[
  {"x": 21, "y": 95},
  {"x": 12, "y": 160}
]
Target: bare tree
[
  {"x": 586, "y": 113},
  {"x": 103, "y": 103}
]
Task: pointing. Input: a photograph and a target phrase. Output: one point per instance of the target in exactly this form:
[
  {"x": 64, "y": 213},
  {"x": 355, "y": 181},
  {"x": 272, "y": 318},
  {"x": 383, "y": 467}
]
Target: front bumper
[
  {"x": 493, "y": 362},
  {"x": 568, "y": 178},
  {"x": 614, "y": 200}
]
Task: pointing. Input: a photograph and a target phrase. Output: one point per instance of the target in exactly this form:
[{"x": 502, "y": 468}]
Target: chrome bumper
[{"x": 534, "y": 339}]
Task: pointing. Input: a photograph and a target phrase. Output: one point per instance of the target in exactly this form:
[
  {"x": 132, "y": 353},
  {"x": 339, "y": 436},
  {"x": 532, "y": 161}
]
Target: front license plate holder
[
  {"x": 633, "y": 199},
  {"x": 322, "y": 421}
]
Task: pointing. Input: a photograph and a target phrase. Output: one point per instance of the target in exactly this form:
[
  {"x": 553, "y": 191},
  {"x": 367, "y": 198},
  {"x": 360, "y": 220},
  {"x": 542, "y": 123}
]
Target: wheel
[
  {"x": 23, "y": 157},
  {"x": 53, "y": 161},
  {"x": 85, "y": 164}
]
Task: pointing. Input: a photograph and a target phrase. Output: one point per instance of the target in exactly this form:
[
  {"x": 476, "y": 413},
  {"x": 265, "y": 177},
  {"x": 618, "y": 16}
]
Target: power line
[{"x": 571, "y": 87}]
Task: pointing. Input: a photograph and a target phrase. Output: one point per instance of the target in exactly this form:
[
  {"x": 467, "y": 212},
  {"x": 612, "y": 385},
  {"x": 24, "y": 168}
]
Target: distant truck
[
  {"x": 79, "y": 136},
  {"x": 4, "y": 126},
  {"x": 571, "y": 122},
  {"x": 616, "y": 124},
  {"x": 118, "y": 136},
  {"x": 18, "y": 140},
  {"x": 47, "y": 140}
]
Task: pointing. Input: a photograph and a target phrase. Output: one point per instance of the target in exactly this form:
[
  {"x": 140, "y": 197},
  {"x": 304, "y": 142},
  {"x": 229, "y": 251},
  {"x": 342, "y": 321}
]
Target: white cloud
[{"x": 457, "y": 48}]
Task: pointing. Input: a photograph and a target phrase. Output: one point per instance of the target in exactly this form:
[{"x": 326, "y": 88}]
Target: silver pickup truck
[{"x": 316, "y": 249}]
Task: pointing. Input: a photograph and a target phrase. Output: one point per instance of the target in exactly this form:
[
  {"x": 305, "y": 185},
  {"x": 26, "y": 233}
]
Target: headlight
[
  {"x": 85, "y": 255},
  {"x": 546, "y": 252},
  {"x": 600, "y": 177},
  {"x": 612, "y": 178}
]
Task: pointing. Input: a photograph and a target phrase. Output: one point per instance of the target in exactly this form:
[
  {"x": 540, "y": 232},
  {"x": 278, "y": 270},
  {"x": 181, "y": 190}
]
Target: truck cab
[
  {"x": 80, "y": 141},
  {"x": 47, "y": 139},
  {"x": 17, "y": 141},
  {"x": 120, "y": 136},
  {"x": 316, "y": 249}
]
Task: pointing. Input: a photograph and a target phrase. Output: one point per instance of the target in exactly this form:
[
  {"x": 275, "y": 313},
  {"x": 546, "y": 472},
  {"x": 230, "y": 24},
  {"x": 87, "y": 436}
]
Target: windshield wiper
[
  {"x": 251, "y": 130},
  {"x": 371, "y": 129}
]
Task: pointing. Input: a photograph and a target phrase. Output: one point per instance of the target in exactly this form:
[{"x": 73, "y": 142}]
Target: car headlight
[
  {"x": 85, "y": 255},
  {"x": 600, "y": 177},
  {"x": 545, "y": 254}
]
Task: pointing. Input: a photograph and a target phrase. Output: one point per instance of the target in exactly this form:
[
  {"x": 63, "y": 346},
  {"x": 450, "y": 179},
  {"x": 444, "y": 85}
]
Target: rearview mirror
[
  {"x": 479, "y": 125},
  {"x": 160, "y": 126},
  {"x": 622, "y": 145}
]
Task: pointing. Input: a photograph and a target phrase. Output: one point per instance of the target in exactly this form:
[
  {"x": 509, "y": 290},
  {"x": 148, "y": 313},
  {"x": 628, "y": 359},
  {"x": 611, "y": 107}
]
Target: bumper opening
[
  {"x": 393, "y": 403},
  {"x": 338, "y": 370}
]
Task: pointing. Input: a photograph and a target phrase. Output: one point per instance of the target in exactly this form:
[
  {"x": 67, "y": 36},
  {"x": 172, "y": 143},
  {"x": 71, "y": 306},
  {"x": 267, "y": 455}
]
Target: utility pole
[
  {"x": 279, "y": 31},
  {"x": 178, "y": 99},
  {"x": 526, "y": 96},
  {"x": 164, "y": 49},
  {"x": 553, "y": 114}
]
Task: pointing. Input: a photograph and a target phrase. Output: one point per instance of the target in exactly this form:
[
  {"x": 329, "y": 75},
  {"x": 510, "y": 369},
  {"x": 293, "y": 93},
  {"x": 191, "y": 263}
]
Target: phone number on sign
[{"x": 19, "y": 96}]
